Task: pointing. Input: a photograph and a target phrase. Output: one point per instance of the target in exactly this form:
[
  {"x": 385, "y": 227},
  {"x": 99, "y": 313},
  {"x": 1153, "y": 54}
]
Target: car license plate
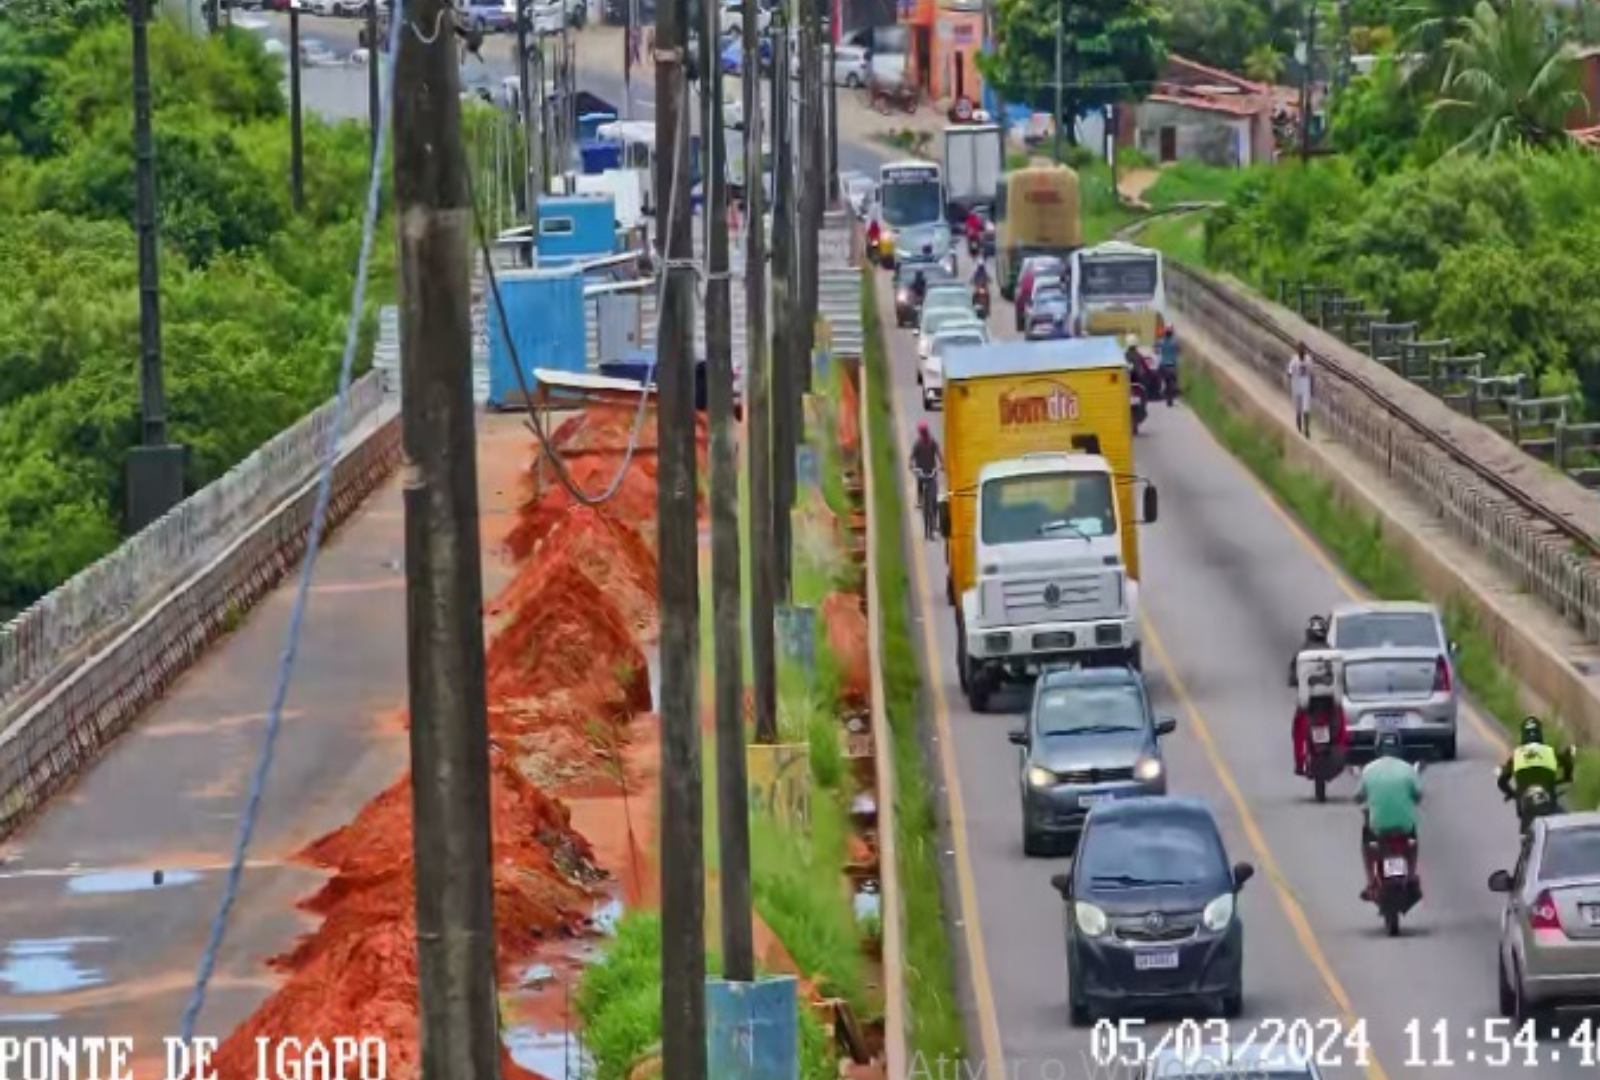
[
  {"x": 1087, "y": 801},
  {"x": 1388, "y": 721},
  {"x": 1394, "y": 867},
  {"x": 1320, "y": 735},
  {"x": 1591, "y": 914},
  {"x": 1155, "y": 960}
]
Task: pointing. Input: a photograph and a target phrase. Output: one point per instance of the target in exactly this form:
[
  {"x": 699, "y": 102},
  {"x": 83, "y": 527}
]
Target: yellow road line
[
  {"x": 1268, "y": 863},
  {"x": 1492, "y": 732}
]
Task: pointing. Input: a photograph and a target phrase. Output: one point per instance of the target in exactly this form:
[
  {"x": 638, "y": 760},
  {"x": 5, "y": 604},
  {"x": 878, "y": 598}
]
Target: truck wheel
[
  {"x": 961, "y": 656},
  {"x": 977, "y": 690},
  {"x": 1136, "y": 657},
  {"x": 950, "y": 589}
]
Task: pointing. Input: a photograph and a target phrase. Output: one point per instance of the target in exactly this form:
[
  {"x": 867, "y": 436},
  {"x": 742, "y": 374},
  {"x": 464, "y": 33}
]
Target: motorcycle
[
  {"x": 1325, "y": 755},
  {"x": 975, "y": 246},
  {"x": 874, "y": 250},
  {"x": 1317, "y": 675},
  {"x": 1168, "y": 378},
  {"x": 1399, "y": 886},
  {"x": 980, "y": 300},
  {"x": 1535, "y": 803},
  {"x": 1140, "y": 410}
]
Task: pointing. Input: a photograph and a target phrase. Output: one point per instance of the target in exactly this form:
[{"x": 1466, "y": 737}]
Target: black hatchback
[{"x": 1152, "y": 915}]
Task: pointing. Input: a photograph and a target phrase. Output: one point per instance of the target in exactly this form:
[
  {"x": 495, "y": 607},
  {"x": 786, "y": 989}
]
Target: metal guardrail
[{"x": 1537, "y": 545}]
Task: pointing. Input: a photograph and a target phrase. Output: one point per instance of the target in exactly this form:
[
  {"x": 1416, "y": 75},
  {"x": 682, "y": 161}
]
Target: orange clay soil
[{"x": 566, "y": 676}]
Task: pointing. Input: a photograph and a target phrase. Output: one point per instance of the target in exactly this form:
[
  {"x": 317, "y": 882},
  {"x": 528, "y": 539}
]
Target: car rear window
[
  {"x": 1150, "y": 847},
  {"x": 1570, "y": 853},
  {"x": 1386, "y": 630}
]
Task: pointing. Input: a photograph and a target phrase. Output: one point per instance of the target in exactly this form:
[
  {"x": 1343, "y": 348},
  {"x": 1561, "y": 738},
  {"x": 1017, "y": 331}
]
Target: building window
[{"x": 561, "y": 226}]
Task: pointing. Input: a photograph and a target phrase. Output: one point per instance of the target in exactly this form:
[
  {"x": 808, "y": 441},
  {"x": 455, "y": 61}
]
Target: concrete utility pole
[
  {"x": 784, "y": 295},
  {"x": 1061, "y": 77},
  {"x": 530, "y": 185},
  {"x": 1307, "y": 71},
  {"x": 813, "y": 189},
  {"x": 833, "y": 103},
  {"x": 444, "y": 584},
  {"x": 683, "y": 871},
  {"x": 155, "y": 468},
  {"x": 374, "y": 66},
  {"x": 758, "y": 390},
  {"x": 733, "y": 796},
  {"x": 297, "y": 162}
]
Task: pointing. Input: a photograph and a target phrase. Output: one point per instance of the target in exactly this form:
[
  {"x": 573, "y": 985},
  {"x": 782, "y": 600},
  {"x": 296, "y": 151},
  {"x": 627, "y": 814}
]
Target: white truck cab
[{"x": 1051, "y": 585}]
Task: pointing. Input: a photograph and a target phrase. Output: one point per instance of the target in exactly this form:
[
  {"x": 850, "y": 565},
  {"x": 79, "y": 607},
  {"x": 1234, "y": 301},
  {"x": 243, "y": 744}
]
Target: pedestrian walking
[{"x": 1300, "y": 388}]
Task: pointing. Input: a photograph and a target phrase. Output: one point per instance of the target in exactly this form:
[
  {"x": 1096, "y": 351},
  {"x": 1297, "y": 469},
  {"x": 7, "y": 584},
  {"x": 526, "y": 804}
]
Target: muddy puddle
[{"x": 540, "y": 1030}]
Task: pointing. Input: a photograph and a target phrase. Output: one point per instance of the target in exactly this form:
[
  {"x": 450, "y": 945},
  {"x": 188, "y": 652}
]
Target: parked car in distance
[
  {"x": 1399, "y": 669},
  {"x": 930, "y": 369},
  {"x": 1090, "y": 737},
  {"x": 1152, "y": 911},
  {"x": 850, "y": 65},
  {"x": 1550, "y": 930},
  {"x": 1248, "y": 1059}
]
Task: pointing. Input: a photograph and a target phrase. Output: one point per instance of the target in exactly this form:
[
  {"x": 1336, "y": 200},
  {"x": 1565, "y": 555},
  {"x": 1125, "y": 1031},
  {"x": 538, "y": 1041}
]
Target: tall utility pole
[
  {"x": 444, "y": 587},
  {"x": 1307, "y": 69},
  {"x": 733, "y": 799},
  {"x": 155, "y": 469},
  {"x": 833, "y": 103},
  {"x": 758, "y": 367},
  {"x": 1061, "y": 78},
  {"x": 783, "y": 296},
  {"x": 683, "y": 871},
  {"x": 814, "y": 191},
  {"x": 297, "y": 165},
  {"x": 374, "y": 73},
  {"x": 525, "y": 93}
]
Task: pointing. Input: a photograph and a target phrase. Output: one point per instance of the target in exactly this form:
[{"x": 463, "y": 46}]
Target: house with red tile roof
[{"x": 1200, "y": 113}]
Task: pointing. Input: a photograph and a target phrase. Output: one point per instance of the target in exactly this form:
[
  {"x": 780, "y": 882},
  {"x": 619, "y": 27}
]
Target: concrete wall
[
  {"x": 1212, "y": 138},
  {"x": 1235, "y": 340}
]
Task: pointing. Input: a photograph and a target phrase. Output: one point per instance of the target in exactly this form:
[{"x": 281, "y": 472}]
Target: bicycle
[{"x": 928, "y": 501}]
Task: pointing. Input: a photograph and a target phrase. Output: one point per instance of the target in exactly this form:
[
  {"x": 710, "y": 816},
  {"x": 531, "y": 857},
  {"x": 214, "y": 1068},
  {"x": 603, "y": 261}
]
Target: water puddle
[
  {"x": 127, "y": 881},
  {"x": 544, "y": 998},
  {"x": 47, "y": 966}
]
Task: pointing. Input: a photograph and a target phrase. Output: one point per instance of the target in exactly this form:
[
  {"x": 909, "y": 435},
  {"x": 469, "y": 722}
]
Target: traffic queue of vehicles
[{"x": 1040, "y": 525}]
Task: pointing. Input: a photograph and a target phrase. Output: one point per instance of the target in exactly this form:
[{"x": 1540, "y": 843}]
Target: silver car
[
  {"x": 1258, "y": 1062},
  {"x": 1090, "y": 737},
  {"x": 1399, "y": 670},
  {"x": 1550, "y": 929},
  {"x": 930, "y": 370},
  {"x": 948, "y": 296}
]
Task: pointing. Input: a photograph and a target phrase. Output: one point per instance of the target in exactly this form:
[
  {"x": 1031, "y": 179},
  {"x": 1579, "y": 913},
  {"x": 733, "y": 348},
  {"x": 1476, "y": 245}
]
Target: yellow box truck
[{"x": 1039, "y": 521}]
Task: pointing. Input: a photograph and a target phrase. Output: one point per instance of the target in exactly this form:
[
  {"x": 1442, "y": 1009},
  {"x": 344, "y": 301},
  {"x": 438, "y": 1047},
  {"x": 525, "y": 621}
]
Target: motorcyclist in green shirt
[{"x": 1390, "y": 790}]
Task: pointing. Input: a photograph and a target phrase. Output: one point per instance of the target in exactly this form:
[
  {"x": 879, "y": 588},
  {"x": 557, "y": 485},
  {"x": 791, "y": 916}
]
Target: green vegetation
[
  {"x": 255, "y": 296},
  {"x": 619, "y": 1001},
  {"x": 1356, "y": 541},
  {"x": 933, "y": 1011}
]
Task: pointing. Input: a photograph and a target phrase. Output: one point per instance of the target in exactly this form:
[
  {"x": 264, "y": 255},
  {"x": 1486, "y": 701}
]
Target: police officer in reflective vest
[{"x": 1534, "y": 764}]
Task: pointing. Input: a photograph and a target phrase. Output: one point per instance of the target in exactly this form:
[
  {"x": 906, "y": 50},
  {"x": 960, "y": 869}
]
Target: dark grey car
[{"x": 1090, "y": 738}]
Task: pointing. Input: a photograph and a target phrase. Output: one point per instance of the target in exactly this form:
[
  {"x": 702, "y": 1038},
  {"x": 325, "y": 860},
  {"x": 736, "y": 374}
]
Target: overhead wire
[
  {"x": 646, "y": 389},
  {"x": 319, "y": 519}
]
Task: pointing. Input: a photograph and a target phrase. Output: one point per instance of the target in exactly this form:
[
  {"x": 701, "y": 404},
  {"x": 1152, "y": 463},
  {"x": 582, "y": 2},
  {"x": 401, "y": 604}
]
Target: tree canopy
[{"x": 254, "y": 297}]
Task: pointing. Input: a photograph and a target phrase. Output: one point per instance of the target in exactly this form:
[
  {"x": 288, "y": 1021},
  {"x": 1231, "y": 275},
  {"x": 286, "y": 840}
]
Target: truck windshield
[{"x": 1052, "y": 506}]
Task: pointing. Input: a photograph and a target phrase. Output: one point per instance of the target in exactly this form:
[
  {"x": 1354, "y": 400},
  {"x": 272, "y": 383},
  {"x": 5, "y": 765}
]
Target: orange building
[{"x": 946, "y": 39}]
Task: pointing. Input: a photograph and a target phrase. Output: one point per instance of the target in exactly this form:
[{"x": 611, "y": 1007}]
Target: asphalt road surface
[{"x": 1229, "y": 582}]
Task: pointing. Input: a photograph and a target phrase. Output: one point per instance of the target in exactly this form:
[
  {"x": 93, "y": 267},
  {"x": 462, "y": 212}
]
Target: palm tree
[
  {"x": 1509, "y": 81},
  {"x": 1264, "y": 65}
]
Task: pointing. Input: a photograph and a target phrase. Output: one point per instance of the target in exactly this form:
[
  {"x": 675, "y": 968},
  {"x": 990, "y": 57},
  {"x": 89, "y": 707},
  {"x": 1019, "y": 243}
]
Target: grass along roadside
[
  {"x": 1356, "y": 542},
  {"x": 933, "y": 1013}
]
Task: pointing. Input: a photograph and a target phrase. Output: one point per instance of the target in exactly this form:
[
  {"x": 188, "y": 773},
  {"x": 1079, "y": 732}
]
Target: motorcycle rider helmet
[
  {"x": 1532, "y": 731},
  {"x": 1130, "y": 342},
  {"x": 922, "y": 429},
  {"x": 1317, "y": 630},
  {"x": 1388, "y": 744}
]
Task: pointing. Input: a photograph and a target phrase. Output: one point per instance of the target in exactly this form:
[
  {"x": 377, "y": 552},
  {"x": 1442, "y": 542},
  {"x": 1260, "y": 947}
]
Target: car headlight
[
  {"x": 1218, "y": 914},
  {"x": 1091, "y": 920},
  {"x": 1038, "y": 777},
  {"x": 1147, "y": 769}
]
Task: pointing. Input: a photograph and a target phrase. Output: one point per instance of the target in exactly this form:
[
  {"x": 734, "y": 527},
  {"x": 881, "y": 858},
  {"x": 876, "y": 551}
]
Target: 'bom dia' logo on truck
[{"x": 1046, "y": 403}]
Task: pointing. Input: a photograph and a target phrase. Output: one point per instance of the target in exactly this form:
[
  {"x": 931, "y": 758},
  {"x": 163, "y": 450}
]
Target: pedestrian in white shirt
[{"x": 1300, "y": 388}]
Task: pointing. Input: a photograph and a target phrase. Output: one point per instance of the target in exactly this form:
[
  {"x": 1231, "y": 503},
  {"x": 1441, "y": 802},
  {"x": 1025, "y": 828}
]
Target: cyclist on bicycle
[{"x": 926, "y": 460}]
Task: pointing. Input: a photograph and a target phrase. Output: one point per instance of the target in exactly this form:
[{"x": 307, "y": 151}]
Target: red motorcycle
[
  {"x": 1325, "y": 751},
  {"x": 1399, "y": 885}
]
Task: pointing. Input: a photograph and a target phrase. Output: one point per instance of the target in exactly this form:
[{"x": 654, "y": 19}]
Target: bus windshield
[
  {"x": 1123, "y": 277},
  {"x": 911, "y": 196}
]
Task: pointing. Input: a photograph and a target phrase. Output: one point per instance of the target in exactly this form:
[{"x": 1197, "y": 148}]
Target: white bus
[
  {"x": 910, "y": 193},
  {"x": 1118, "y": 288}
]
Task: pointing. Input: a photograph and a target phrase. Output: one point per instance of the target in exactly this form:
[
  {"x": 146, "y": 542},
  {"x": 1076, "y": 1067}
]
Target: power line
[{"x": 319, "y": 517}]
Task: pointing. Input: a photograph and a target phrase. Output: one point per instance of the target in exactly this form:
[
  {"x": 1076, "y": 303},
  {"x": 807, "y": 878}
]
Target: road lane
[{"x": 1228, "y": 587}]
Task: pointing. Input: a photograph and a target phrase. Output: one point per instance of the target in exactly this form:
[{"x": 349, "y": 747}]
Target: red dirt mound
[
  {"x": 848, "y": 428},
  {"x": 566, "y": 633},
  {"x": 846, "y": 622},
  {"x": 612, "y": 555},
  {"x": 633, "y": 504},
  {"x": 358, "y": 971}
]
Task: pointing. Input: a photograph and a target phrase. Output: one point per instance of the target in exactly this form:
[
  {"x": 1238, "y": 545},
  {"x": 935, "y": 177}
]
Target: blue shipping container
[
  {"x": 544, "y": 314},
  {"x": 573, "y": 228}
]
